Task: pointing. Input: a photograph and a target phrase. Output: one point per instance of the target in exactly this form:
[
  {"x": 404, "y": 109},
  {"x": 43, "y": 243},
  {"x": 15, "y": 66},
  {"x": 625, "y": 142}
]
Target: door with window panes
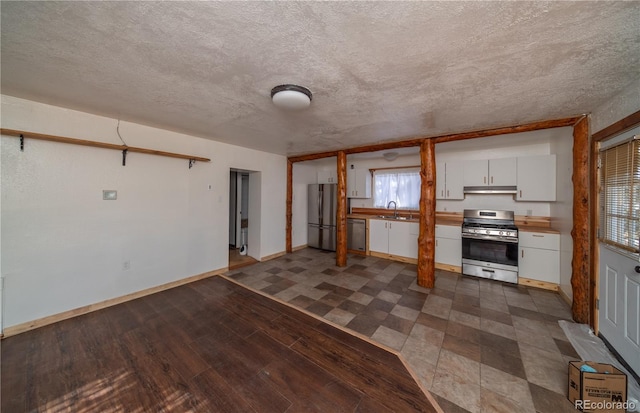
[{"x": 619, "y": 234}]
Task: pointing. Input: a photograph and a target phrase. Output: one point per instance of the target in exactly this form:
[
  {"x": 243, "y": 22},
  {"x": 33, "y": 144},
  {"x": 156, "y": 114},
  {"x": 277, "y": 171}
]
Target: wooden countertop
[{"x": 524, "y": 223}]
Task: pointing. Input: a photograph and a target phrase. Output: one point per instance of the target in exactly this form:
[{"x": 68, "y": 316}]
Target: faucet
[{"x": 395, "y": 208}]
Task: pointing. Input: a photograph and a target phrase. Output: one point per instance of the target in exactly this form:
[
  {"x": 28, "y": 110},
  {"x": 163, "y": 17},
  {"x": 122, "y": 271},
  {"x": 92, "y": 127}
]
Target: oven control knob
[
  {"x": 501, "y": 232},
  {"x": 488, "y": 231}
]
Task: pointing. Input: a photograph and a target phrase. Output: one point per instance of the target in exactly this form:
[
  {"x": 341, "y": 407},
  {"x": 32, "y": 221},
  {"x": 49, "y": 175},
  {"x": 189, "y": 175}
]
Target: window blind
[{"x": 620, "y": 195}]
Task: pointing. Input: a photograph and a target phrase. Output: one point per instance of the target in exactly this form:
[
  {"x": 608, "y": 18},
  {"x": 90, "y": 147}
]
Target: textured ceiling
[{"x": 378, "y": 71}]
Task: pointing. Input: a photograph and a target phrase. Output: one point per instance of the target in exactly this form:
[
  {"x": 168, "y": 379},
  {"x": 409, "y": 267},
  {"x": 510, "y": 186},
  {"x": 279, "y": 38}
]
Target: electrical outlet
[{"x": 126, "y": 265}]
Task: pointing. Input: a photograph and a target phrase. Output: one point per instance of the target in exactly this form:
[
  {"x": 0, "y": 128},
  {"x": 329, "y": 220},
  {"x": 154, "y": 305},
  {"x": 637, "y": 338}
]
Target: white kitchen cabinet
[
  {"x": 396, "y": 238},
  {"x": 536, "y": 178},
  {"x": 403, "y": 239},
  {"x": 379, "y": 236},
  {"x": 449, "y": 180},
  {"x": 449, "y": 245},
  {"x": 327, "y": 177},
  {"x": 358, "y": 183},
  {"x": 492, "y": 172},
  {"x": 539, "y": 256}
]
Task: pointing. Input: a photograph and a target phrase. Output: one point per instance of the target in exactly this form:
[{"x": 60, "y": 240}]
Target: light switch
[{"x": 109, "y": 195}]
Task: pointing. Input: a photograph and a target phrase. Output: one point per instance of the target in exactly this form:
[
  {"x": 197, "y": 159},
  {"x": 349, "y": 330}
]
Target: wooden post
[
  {"x": 580, "y": 265},
  {"x": 427, "y": 237},
  {"x": 289, "y": 206},
  {"x": 341, "y": 213}
]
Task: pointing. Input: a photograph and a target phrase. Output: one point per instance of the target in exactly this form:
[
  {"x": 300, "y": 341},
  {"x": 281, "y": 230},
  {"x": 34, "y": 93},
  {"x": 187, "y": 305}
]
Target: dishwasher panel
[{"x": 356, "y": 234}]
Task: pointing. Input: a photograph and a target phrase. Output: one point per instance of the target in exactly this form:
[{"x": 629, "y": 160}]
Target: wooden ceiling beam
[{"x": 416, "y": 142}]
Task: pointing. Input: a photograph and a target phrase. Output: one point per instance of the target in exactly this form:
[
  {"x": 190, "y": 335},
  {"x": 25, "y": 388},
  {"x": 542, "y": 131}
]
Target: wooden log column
[
  {"x": 341, "y": 213},
  {"x": 427, "y": 237},
  {"x": 289, "y": 205},
  {"x": 580, "y": 265}
]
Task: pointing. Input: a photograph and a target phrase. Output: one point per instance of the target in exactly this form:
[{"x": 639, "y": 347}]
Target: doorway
[
  {"x": 239, "y": 205},
  {"x": 619, "y": 266}
]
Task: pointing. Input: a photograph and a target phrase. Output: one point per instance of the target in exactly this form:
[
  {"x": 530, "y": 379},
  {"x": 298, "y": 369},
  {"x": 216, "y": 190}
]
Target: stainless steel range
[{"x": 490, "y": 245}]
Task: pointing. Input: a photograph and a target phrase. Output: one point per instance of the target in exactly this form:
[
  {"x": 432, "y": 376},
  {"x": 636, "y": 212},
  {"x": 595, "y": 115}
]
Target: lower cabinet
[
  {"x": 395, "y": 238},
  {"x": 449, "y": 245},
  {"x": 539, "y": 256}
]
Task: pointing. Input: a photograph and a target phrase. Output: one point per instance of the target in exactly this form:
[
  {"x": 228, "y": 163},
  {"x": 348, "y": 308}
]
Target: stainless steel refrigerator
[{"x": 322, "y": 206}]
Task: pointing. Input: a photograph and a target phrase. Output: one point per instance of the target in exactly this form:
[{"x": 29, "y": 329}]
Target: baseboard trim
[
  {"x": 448, "y": 267},
  {"x": 272, "y": 256},
  {"x": 393, "y": 257},
  {"x": 41, "y": 322},
  {"x": 299, "y": 247},
  {"x": 565, "y": 297},
  {"x": 538, "y": 284}
]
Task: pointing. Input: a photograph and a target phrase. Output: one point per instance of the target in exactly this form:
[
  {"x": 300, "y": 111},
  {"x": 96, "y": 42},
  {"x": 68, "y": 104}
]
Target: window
[
  {"x": 399, "y": 185},
  {"x": 620, "y": 195}
]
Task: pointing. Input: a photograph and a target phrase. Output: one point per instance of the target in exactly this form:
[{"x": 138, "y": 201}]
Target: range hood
[{"x": 490, "y": 189}]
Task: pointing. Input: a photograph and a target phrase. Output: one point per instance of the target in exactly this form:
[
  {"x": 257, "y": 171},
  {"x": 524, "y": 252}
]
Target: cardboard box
[{"x": 604, "y": 391}]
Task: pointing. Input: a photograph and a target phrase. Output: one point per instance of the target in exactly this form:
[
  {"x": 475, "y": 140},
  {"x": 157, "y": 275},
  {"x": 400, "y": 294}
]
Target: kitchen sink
[{"x": 393, "y": 217}]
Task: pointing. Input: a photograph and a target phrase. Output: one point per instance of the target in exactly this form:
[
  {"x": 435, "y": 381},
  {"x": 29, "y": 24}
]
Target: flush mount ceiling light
[
  {"x": 291, "y": 97},
  {"x": 390, "y": 156}
]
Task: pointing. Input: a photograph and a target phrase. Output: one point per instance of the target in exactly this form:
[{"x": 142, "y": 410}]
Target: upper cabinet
[
  {"x": 492, "y": 172},
  {"x": 449, "y": 177},
  {"x": 358, "y": 183},
  {"x": 537, "y": 178},
  {"x": 327, "y": 177}
]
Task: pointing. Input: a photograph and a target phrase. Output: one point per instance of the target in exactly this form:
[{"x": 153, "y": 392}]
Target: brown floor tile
[
  {"x": 449, "y": 407},
  {"x": 546, "y": 401},
  {"x": 273, "y": 279},
  {"x": 351, "y": 306},
  {"x": 302, "y": 301},
  {"x": 498, "y": 316},
  {"x": 466, "y": 308},
  {"x": 462, "y": 347},
  {"x": 378, "y": 304},
  {"x": 325, "y": 286},
  {"x": 504, "y": 345},
  {"x": 497, "y": 359},
  {"x": 319, "y": 308},
  {"x": 274, "y": 289},
  {"x": 462, "y": 331},
  {"x": 398, "y": 324},
  {"x": 330, "y": 271},
  {"x": 443, "y": 293},
  {"x": 332, "y": 299},
  {"x": 413, "y": 299},
  {"x": 466, "y": 299},
  {"x": 364, "y": 324},
  {"x": 275, "y": 270},
  {"x": 566, "y": 348},
  {"x": 522, "y": 312},
  {"x": 434, "y": 322},
  {"x": 296, "y": 270}
]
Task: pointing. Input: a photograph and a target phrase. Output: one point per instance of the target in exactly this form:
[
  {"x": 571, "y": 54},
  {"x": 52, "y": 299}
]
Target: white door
[{"x": 619, "y": 309}]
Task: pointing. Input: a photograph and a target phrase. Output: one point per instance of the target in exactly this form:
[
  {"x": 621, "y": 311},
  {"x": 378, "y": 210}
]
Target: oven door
[
  {"x": 490, "y": 258},
  {"x": 490, "y": 250}
]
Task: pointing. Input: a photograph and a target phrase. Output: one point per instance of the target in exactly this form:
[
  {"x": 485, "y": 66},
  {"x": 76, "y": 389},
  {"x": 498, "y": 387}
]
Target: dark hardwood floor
[{"x": 209, "y": 346}]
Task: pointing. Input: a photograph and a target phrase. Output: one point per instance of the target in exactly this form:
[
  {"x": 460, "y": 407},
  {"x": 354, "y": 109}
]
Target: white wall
[
  {"x": 64, "y": 247},
  {"x": 303, "y": 175},
  {"x": 562, "y": 209}
]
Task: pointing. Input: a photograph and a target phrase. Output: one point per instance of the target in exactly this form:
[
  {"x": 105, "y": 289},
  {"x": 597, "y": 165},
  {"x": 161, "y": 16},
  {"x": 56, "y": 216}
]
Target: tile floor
[{"x": 477, "y": 345}]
